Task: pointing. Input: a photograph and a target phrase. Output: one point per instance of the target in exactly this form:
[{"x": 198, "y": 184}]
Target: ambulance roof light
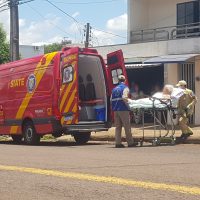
[
  {"x": 82, "y": 50},
  {"x": 66, "y": 48},
  {"x": 87, "y": 50}
]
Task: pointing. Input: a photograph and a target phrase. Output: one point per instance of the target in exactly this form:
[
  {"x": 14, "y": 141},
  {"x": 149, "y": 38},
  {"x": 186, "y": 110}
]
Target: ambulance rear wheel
[
  {"x": 17, "y": 139},
  {"x": 30, "y": 135},
  {"x": 82, "y": 138}
]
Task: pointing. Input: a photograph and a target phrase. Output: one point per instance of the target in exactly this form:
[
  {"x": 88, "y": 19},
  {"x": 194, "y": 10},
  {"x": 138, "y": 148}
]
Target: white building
[
  {"x": 27, "y": 51},
  {"x": 163, "y": 44}
]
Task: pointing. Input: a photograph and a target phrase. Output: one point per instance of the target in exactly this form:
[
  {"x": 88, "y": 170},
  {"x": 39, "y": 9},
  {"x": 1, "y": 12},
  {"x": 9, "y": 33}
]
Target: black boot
[{"x": 119, "y": 146}]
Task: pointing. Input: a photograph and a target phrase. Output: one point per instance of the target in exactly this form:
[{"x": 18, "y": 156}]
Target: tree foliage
[
  {"x": 4, "y": 46},
  {"x": 56, "y": 46},
  {"x": 52, "y": 47}
]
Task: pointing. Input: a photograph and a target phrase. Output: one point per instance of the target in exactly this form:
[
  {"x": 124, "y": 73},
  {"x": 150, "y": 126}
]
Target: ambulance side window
[
  {"x": 68, "y": 74},
  {"x": 115, "y": 74}
]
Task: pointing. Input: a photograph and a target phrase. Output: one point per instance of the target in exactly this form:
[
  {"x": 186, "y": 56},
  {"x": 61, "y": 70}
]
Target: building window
[
  {"x": 187, "y": 18},
  {"x": 188, "y": 13},
  {"x": 68, "y": 74},
  {"x": 115, "y": 74}
]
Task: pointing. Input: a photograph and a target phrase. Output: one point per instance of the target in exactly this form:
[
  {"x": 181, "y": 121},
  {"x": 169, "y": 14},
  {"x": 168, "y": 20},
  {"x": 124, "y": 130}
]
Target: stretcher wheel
[
  {"x": 154, "y": 143},
  {"x": 173, "y": 142},
  {"x": 158, "y": 141}
]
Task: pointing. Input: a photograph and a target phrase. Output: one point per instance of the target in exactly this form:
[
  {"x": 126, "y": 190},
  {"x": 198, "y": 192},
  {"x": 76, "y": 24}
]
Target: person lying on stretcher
[
  {"x": 180, "y": 99},
  {"x": 158, "y": 100}
]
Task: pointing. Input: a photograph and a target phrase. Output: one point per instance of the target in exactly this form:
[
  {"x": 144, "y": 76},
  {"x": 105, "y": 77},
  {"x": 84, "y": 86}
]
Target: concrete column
[
  {"x": 171, "y": 74},
  {"x": 197, "y": 90}
]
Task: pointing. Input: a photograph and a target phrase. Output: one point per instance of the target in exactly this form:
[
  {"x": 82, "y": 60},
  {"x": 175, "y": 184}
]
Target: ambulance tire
[
  {"x": 17, "y": 139},
  {"x": 82, "y": 138},
  {"x": 29, "y": 133}
]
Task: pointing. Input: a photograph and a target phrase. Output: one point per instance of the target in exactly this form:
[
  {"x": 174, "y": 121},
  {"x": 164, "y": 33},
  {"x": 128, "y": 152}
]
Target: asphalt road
[{"x": 99, "y": 171}]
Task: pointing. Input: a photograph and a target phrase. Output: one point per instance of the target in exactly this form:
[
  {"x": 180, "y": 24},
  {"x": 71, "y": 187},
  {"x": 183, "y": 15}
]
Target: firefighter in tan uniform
[
  {"x": 186, "y": 109},
  {"x": 119, "y": 98}
]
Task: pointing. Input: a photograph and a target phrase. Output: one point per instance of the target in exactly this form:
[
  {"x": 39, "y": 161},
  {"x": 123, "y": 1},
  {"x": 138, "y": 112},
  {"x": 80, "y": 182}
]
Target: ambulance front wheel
[
  {"x": 29, "y": 133},
  {"x": 82, "y": 138}
]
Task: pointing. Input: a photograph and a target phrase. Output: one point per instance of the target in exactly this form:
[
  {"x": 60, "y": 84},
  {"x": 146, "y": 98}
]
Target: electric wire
[{"x": 58, "y": 27}]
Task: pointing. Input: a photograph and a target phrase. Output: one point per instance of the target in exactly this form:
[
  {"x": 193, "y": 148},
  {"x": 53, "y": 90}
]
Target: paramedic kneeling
[
  {"x": 119, "y": 97},
  {"x": 186, "y": 109}
]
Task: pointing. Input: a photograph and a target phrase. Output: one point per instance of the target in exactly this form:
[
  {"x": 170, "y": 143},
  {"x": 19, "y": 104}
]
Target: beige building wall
[
  {"x": 162, "y": 13},
  {"x": 148, "y": 14},
  {"x": 171, "y": 75}
]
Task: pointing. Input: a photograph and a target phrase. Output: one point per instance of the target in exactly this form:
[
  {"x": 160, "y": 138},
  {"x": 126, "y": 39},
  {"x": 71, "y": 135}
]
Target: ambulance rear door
[
  {"x": 115, "y": 67},
  {"x": 69, "y": 87}
]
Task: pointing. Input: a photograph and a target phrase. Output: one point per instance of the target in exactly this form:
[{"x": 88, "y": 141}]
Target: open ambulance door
[
  {"x": 69, "y": 87},
  {"x": 115, "y": 67}
]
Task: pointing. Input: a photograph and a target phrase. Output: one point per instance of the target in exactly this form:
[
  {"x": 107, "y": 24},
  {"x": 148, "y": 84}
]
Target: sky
[{"x": 41, "y": 23}]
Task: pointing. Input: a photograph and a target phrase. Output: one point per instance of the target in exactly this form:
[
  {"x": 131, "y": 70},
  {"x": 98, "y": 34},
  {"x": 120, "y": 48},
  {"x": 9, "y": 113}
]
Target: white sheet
[{"x": 146, "y": 103}]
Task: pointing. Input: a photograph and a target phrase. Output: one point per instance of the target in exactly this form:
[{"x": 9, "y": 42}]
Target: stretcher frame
[{"x": 158, "y": 125}]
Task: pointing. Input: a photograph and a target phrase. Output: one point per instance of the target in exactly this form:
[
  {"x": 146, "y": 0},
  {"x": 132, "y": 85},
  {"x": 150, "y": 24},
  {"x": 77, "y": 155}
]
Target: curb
[{"x": 109, "y": 139}]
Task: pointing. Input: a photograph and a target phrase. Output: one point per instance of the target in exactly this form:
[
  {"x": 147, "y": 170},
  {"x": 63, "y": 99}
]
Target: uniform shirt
[
  {"x": 187, "y": 102},
  {"x": 119, "y": 103}
]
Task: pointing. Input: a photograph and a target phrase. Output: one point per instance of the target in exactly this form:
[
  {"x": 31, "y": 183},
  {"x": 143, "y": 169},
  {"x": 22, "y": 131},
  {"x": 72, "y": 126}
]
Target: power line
[
  {"x": 49, "y": 21},
  {"x": 77, "y": 23},
  {"x": 86, "y": 3},
  {"x": 4, "y": 10},
  {"x": 117, "y": 35},
  {"x": 110, "y": 33},
  {"x": 20, "y": 2}
]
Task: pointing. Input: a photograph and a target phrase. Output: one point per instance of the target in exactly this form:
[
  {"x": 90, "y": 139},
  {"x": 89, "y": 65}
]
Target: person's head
[
  {"x": 121, "y": 78},
  {"x": 182, "y": 84},
  {"x": 89, "y": 78},
  {"x": 168, "y": 89}
]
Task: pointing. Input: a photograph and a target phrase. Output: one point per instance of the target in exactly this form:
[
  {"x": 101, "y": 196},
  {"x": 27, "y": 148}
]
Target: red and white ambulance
[{"x": 66, "y": 92}]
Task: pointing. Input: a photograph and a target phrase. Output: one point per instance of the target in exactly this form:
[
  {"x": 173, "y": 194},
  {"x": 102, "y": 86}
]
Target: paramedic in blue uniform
[{"x": 120, "y": 95}]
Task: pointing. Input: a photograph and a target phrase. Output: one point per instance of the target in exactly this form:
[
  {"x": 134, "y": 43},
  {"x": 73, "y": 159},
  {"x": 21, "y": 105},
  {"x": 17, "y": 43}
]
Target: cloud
[
  {"x": 55, "y": 39},
  {"x": 74, "y": 27},
  {"x": 38, "y": 31},
  {"x": 100, "y": 38},
  {"x": 118, "y": 23},
  {"x": 75, "y": 14},
  {"x": 22, "y": 22}
]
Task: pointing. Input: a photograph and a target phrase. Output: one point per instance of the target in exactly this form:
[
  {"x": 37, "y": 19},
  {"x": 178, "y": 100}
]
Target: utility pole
[
  {"x": 14, "y": 30},
  {"x": 87, "y": 34}
]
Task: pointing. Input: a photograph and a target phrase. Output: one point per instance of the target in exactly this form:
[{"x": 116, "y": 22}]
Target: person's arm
[
  {"x": 190, "y": 107},
  {"x": 125, "y": 95},
  {"x": 194, "y": 101}
]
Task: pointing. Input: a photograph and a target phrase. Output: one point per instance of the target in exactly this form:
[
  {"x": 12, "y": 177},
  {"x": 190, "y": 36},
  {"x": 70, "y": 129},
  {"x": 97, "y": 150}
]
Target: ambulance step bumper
[{"x": 87, "y": 127}]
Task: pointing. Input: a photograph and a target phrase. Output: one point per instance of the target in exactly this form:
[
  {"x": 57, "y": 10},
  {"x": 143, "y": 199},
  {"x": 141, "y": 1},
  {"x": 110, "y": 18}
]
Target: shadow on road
[{"x": 53, "y": 143}]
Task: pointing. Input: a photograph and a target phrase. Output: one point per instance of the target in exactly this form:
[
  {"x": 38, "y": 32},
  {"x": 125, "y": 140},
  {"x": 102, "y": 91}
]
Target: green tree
[
  {"x": 56, "y": 46},
  {"x": 4, "y": 46},
  {"x": 52, "y": 47}
]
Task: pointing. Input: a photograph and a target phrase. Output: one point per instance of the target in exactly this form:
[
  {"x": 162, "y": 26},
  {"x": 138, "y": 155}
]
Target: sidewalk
[{"x": 110, "y": 135}]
